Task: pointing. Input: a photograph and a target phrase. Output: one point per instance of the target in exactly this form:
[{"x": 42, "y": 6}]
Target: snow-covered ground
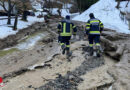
[
  {"x": 30, "y": 42},
  {"x": 6, "y": 30},
  {"x": 64, "y": 12},
  {"x": 105, "y": 11},
  {"x": 123, "y": 6}
]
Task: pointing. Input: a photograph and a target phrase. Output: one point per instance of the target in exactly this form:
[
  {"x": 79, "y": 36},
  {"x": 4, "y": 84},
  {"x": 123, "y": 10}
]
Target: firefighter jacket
[
  {"x": 94, "y": 26},
  {"x": 66, "y": 28}
]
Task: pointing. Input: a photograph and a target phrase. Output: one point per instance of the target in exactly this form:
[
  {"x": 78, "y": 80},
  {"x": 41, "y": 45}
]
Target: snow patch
[
  {"x": 29, "y": 43},
  {"x": 107, "y": 13},
  {"x": 6, "y": 30}
]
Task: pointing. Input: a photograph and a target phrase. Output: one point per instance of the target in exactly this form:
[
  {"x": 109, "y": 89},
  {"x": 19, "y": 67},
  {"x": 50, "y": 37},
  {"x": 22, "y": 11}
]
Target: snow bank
[
  {"x": 64, "y": 12},
  {"x": 123, "y": 6},
  {"x": 105, "y": 11},
  {"x": 6, "y": 30}
]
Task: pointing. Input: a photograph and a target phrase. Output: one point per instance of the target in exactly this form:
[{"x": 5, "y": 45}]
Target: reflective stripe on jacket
[
  {"x": 94, "y": 26},
  {"x": 66, "y": 28}
]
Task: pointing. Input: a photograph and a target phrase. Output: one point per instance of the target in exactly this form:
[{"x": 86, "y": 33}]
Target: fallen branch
[
  {"x": 109, "y": 46},
  {"x": 120, "y": 50},
  {"x": 118, "y": 53}
]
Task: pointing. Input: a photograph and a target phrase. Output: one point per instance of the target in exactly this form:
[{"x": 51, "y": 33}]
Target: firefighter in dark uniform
[
  {"x": 65, "y": 29},
  {"x": 94, "y": 27}
]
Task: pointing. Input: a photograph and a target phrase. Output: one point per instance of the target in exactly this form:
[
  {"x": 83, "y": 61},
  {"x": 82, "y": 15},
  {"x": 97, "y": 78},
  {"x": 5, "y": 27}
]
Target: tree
[
  {"x": 15, "y": 22},
  {"x": 84, "y": 4},
  {"x": 23, "y": 7},
  {"x": 118, "y": 4},
  {"x": 127, "y": 3},
  {"x": 11, "y": 5}
]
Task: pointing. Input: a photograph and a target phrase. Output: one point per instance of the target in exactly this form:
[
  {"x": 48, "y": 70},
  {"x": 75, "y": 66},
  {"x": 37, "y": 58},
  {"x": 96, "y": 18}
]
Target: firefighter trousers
[
  {"x": 65, "y": 40},
  {"x": 94, "y": 39}
]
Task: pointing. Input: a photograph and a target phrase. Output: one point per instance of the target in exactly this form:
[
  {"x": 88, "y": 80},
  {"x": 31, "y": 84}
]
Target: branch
[
  {"x": 127, "y": 3},
  {"x": 2, "y": 3},
  {"x": 12, "y": 7},
  {"x": 4, "y": 7}
]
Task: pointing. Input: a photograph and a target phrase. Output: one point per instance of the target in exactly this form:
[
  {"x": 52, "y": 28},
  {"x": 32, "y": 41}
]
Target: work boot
[
  {"x": 68, "y": 53},
  {"x": 99, "y": 51},
  {"x": 91, "y": 51},
  {"x": 63, "y": 49}
]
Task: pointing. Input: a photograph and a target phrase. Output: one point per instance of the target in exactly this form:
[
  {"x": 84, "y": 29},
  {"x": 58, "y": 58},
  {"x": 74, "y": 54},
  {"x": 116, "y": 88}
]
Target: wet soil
[{"x": 43, "y": 67}]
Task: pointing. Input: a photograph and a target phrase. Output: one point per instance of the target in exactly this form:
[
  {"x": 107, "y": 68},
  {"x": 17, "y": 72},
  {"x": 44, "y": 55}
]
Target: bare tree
[
  {"x": 127, "y": 3},
  {"x": 15, "y": 22},
  {"x": 128, "y": 18},
  {"x": 118, "y": 4},
  {"x": 122, "y": 15},
  {"x": 24, "y": 6},
  {"x": 11, "y": 5}
]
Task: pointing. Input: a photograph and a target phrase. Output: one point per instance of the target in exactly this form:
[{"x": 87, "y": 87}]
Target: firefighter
[
  {"x": 94, "y": 27},
  {"x": 65, "y": 29}
]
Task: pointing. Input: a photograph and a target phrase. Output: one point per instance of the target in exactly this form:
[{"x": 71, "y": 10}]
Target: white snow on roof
[{"x": 105, "y": 11}]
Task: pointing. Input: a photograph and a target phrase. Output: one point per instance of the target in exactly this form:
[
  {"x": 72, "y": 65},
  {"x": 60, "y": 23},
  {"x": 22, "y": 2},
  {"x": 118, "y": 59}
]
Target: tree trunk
[
  {"x": 118, "y": 4},
  {"x": 80, "y": 7},
  {"x": 9, "y": 18},
  {"x": 129, "y": 24},
  {"x": 127, "y": 3},
  {"x": 24, "y": 16},
  {"x": 16, "y": 22},
  {"x": 9, "y": 12}
]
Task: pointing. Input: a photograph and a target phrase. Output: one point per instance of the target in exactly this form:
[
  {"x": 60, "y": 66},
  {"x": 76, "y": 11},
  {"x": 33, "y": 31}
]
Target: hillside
[{"x": 108, "y": 14}]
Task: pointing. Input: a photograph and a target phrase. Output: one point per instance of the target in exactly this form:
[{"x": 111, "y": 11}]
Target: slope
[{"x": 106, "y": 11}]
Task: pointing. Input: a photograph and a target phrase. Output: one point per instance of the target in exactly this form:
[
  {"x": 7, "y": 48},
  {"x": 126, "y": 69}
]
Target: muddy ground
[{"x": 43, "y": 67}]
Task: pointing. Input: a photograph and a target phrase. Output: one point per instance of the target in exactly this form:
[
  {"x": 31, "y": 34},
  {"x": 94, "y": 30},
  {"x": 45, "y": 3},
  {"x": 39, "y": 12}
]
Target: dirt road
[{"x": 43, "y": 67}]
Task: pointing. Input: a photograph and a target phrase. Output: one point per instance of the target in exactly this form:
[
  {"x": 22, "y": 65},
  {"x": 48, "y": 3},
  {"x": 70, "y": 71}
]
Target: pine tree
[{"x": 85, "y": 4}]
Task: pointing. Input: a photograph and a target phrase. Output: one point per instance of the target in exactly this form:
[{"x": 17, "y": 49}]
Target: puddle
[
  {"x": 25, "y": 44},
  {"x": 30, "y": 42}
]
